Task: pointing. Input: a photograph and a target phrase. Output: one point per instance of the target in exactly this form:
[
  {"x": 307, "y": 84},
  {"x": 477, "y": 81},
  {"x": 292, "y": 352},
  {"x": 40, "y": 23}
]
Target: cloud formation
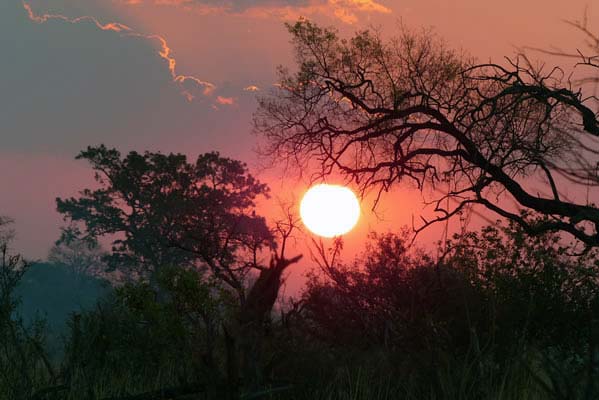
[
  {"x": 190, "y": 86},
  {"x": 344, "y": 10},
  {"x": 227, "y": 101}
]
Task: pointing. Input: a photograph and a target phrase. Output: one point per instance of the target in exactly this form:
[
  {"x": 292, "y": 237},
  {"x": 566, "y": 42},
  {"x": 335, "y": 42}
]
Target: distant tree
[
  {"x": 6, "y": 230},
  {"x": 81, "y": 257},
  {"x": 410, "y": 108},
  {"x": 55, "y": 291}
]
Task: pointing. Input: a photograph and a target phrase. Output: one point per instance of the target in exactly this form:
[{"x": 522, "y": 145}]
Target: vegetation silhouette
[
  {"x": 410, "y": 108},
  {"x": 506, "y": 312},
  {"x": 199, "y": 218}
]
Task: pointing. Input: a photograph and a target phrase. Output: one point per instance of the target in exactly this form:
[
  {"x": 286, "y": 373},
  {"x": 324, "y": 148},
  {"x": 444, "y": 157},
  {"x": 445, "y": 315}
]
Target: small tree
[{"x": 382, "y": 111}]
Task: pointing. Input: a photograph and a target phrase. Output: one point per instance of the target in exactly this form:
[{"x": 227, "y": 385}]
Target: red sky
[{"x": 181, "y": 75}]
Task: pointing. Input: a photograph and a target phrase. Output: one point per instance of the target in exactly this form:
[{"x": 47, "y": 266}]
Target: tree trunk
[{"x": 249, "y": 333}]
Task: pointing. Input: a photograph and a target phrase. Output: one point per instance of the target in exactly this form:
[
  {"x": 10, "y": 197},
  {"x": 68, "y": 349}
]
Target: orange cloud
[
  {"x": 362, "y": 5},
  {"x": 40, "y": 19},
  {"x": 189, "y": 85},
  {"x": 344, "y": 10},
  {"x": 228, "y": 101},
  {"x": 251, "y": 88},
  {"x": 187, "y": 82}
]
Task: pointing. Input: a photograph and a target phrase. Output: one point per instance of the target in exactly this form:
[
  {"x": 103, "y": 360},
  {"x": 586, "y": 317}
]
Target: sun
[{"x": 329, "y": 210}]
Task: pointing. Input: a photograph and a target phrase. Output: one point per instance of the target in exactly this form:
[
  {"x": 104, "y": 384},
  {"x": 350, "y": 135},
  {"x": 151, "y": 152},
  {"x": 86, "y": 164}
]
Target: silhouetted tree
[
  {"x": 392, "y": 296},
  {"x": 382, "y": 111},
  {"x": 497, "y": 295},
  {"x": 24, "y": 365},
  {"x": 162, "y": 212},
  {"x": 6, "y": 231},
  {"x": 586, "y": 56}
]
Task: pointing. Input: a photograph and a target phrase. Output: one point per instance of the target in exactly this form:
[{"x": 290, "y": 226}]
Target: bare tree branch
[{"x": 380, "y": 112}]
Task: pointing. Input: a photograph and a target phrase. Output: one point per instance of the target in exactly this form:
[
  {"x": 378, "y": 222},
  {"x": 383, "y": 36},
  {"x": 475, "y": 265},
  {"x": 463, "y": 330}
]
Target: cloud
[
  {"x": 251, "y": 88},
  {"x": 43, "y": 18},
  {"x": 228, "y": 101},
  {"x": 363, "y": 5},
  {"x": 344, "y": 10},
  {"x": 190, "y": 86},
  {"x": 70, "y": 83},
  {"x": 232, "y": 6}
]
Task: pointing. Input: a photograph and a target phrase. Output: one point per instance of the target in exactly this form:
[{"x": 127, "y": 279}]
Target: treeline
[
  {"x": 507, "y": 312},
  {"x": 497, "y": 314}
]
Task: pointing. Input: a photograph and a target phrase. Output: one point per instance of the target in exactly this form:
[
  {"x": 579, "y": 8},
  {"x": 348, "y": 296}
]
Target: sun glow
[{"x": 329, "y": 210}]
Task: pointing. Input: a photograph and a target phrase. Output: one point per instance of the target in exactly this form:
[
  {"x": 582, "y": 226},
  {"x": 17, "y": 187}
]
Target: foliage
[
  {"x": 133, "y": 343},
  {"x": 499, "y": 315},
  {"x": 390, "y": 297},
  {"x": 182, "y": 226},
  {"x": 23, "y": 362},
  {"x": 536, "y": 286},
  {"x": 409, "y": 108},
  {"x": 161, "y": 210}
]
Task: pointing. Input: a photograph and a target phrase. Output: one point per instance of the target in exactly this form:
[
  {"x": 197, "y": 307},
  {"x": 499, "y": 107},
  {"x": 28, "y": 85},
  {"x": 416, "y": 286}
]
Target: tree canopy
[
  {"x": 411, "y": 108},
  {"x": 171, "y": 221},
  {"x": 160, "y": 210}
]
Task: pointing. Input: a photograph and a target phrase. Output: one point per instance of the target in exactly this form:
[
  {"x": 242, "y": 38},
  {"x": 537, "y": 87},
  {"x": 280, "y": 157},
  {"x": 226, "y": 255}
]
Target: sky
[{"x": 183, "y": 76}]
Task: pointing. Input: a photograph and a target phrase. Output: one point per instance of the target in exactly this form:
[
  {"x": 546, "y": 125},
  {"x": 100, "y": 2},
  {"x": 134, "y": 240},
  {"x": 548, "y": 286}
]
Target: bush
[
  {"x": 497, "y": 310},
  {"x": 143, "y": 338}
]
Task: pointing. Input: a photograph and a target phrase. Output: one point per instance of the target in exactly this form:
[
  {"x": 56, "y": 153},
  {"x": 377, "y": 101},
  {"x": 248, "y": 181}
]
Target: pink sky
[{"x": 182, "y": 76}]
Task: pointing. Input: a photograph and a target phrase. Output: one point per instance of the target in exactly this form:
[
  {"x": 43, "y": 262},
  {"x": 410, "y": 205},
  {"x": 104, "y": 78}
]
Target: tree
[
  {"x": 497, "y": 295},
  {"x": 24, "y": 364},
  {"x": 588, "y": 56},
  {"x": 162, "y": 212},
  {"x": 79, "y": 256},
  {"x": 7, "y": 233},
  {"x": 380, "y": 112},
  {"x": 159, "y": 210},
  {"x": 391, "y": 296}
]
